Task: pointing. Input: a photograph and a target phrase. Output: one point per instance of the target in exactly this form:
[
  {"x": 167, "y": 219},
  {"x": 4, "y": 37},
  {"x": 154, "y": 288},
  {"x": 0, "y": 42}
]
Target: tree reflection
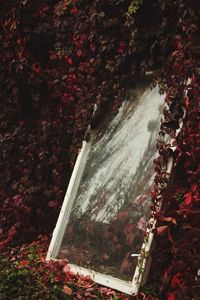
[{"x": 111, "y": 211}]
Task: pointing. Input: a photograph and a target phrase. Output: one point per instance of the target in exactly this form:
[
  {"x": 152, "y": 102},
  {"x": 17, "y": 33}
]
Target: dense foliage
[{"x": 58, "y": 58}]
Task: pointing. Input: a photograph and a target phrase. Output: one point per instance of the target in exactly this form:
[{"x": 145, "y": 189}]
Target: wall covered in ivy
[{"x": 59, "y": 58}]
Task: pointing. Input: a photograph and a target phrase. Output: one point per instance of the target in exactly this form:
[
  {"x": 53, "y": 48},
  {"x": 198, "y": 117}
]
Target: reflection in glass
[{"x": 111, "y": 210}]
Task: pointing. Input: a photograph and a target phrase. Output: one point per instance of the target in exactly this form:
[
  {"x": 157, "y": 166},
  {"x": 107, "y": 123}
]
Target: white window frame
[
  {"x": 144, "y": 257},
  {"x": 58, "y": 233}
]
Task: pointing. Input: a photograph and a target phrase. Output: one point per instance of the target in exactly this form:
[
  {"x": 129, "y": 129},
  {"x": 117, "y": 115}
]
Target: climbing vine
[{"x": 59, "y": 58}]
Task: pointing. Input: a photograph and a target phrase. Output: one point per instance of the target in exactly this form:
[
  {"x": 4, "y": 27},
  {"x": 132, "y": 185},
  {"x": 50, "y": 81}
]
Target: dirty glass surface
[{"x": 112, "y": 206}]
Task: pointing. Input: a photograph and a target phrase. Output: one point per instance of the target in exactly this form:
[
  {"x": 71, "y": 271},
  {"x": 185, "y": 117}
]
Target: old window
[{"x": 106, "y": 210}]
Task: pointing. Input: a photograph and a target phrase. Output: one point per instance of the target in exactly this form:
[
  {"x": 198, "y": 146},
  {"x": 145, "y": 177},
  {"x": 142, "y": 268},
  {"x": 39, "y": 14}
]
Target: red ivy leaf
[
  {"x": 170, "y": 219},
  {"x": 66, "y": 290},
  {"x": 171, "y": 296},
  {"x": 177, "y": 281},
  {"x": 24, "y": 262},
  {"x": 188, "y": 199},
  {"x": 74, "y": 11},
  {"x": 79, "y": 53},
  {"x": 160, "y": 230},
  {"x": 52, "y": 204}
]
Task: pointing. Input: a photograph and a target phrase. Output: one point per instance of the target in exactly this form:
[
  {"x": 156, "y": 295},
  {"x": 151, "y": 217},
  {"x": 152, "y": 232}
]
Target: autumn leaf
[
  {"x": 171, "y": 296},
  {"x": 169, "y": 219},
  {"x": 161, "y": 230},
  {"x": 24, "y": 263},
  {"x": 66, "y": 269},
  {"x": 66, "y": 290},
  {"x": 188, "y": 199},
  {"x": 74, "y": 11}
]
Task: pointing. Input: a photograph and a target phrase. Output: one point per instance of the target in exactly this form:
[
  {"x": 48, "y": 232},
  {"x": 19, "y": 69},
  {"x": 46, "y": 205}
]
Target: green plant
[{"x": 133, "y": 7}]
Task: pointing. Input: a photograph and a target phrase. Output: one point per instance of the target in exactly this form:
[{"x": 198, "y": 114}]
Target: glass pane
[{"x": 112, "y": 207}]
